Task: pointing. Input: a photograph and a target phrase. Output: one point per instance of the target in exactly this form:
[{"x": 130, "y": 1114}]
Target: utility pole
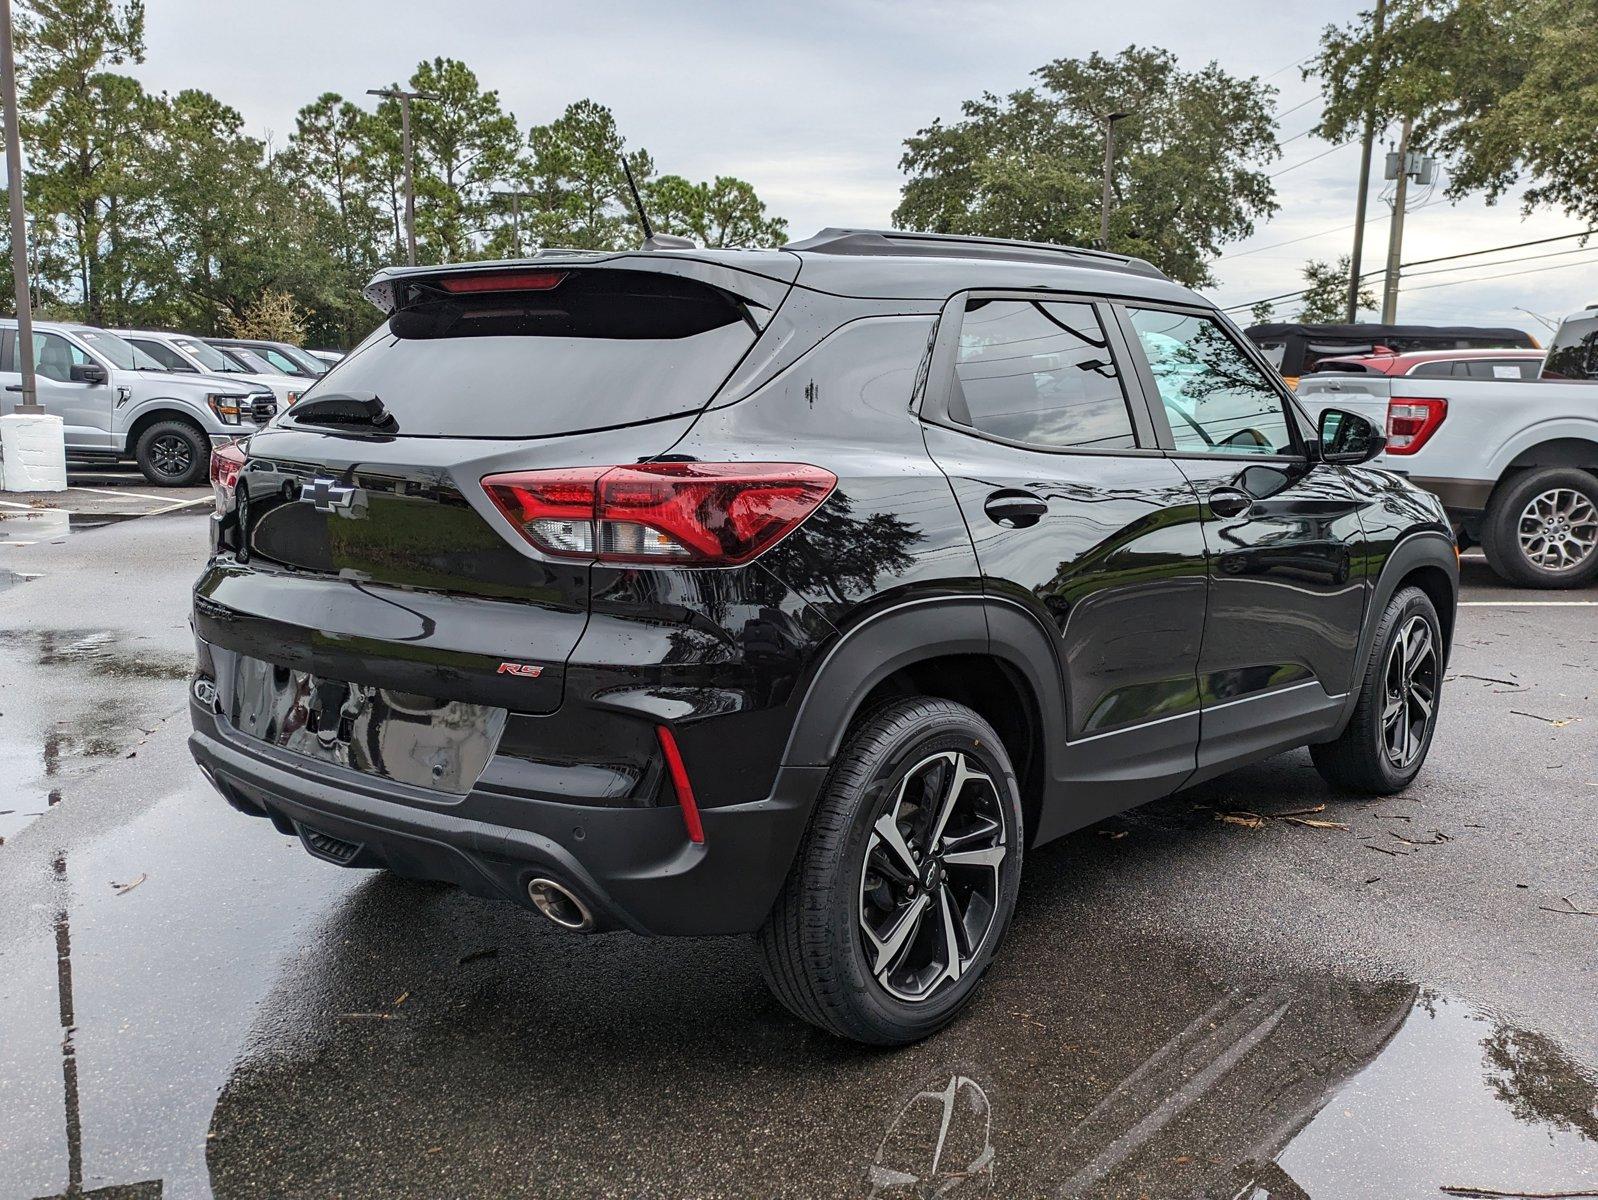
[
  {"x": 1109, "y": 170},
  {"x": 1378, "y": 24},
  {"x": 515, "y": 199},
  {"x": 30, "y": 405},
  {"x": 405, "y": 99},
  {"x": 1395, "y": 234}
]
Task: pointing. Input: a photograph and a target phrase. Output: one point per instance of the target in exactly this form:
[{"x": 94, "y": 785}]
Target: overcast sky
[{"x": 811, "y": 102}]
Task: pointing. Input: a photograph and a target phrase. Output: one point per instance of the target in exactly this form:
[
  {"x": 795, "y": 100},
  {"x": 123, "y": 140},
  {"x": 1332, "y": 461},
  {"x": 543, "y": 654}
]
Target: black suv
[{"x": 799, "y": 592}]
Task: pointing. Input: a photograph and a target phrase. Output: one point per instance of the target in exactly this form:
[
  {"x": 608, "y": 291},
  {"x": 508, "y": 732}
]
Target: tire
[
  {"x": 848, "y": 874},
  {"x": 173, "y": 453},
  {"x": 1539, "y": 520},
  {"x": 1362, "y": 759}
]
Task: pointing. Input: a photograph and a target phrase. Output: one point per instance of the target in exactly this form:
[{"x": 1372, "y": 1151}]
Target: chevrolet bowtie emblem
[{"x": 329, "y": 495}]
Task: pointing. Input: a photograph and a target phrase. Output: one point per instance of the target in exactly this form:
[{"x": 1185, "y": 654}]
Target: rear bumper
[
  {"x": 1457, "y": 495},
  {"x": 634, "y": 867}
]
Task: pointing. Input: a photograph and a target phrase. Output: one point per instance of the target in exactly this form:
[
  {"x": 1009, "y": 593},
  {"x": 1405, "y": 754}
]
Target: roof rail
[{"x": 959, "y": 245}]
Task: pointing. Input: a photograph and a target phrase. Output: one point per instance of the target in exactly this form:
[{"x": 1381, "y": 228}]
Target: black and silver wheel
[
  {"x": 906, "y": 880},
  {"x": 173, "y": 454},
  {"x": 1385, "y": 744},
  {"x": 1542, "y": 529}
]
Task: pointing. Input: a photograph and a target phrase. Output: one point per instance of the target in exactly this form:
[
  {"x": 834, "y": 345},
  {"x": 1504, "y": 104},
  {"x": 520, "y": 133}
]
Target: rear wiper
[{"x": 345, "y": 410}]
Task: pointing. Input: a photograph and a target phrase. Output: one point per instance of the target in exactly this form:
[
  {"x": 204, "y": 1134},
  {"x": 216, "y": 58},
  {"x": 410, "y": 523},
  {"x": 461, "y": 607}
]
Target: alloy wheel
[
  {"x": 929, "y": 886},
  {"x": 171, "y": 455},
  {"x": 1410, "y": 696},
  {"x": 1559, "y": 530}
]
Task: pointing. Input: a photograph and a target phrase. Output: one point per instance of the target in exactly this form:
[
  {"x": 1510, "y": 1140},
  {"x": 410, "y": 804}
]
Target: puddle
[
  {"x": 70, "y": 701},
  {"x": 104, "y": 652},
  {"x": 23, "y": 527}
]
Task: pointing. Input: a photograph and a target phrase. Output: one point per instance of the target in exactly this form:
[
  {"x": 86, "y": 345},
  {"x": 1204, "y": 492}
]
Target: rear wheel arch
[
  {"x": 991, "y": 656},
  {"x": 1578, "y": 451}
]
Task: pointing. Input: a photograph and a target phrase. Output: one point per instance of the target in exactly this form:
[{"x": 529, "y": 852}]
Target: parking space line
[
  {"x": 180, "y": 504},
  {"x": 1528, "y": 604},
  {"x": 78, "y": 487}
]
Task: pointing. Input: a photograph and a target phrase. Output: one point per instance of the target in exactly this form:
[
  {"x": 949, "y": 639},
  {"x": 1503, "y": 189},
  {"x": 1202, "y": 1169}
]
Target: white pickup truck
[{"x": 1515, "y": 462}]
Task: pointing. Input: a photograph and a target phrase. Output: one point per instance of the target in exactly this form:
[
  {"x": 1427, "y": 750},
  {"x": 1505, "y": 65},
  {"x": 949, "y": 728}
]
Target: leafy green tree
[
  {"x": 1504, "y": 90},
  {"x": 340, "y": 150},
  {"x": 1326, "y": 293},
  {"x": 578, "y": 192},
  {"x": 234, "y": 224},
  {"x": 1187, "y": 178},
  {"x": 466, "y": 145},
  {"x": 720, "y": 214},
  {"x": 85, "y": 128}
]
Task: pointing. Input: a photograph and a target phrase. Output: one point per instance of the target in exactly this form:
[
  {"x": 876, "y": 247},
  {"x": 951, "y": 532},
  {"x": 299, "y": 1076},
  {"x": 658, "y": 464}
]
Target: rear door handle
[
  {"x": 1016, "y": 509},
  {"x": 1229, "y": 502}
]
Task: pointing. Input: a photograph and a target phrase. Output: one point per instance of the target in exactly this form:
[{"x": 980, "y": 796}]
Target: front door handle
[
  {"x": 1015, "y": 509},
  {"x": 1229, "y": 502}
]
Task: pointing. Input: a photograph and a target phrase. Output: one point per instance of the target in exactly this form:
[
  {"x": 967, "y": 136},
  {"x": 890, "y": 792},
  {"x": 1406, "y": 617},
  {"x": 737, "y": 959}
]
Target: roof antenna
[{"x": 652, "y": 240}]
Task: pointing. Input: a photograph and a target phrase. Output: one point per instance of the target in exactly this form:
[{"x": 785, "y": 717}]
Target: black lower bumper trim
[{"x": 634, "y": 868}]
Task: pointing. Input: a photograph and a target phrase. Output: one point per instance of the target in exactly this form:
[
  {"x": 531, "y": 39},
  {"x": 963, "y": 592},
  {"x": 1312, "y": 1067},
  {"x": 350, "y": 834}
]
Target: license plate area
[{"x": 419, "y": 740}]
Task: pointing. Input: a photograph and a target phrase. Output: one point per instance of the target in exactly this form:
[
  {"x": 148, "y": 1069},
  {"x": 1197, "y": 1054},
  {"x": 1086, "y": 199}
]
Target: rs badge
[{"x": 526, "y": 670}]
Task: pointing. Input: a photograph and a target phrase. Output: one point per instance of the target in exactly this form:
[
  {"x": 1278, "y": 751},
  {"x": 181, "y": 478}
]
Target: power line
[
  {"x": 1421, "y": 262},
  {"x": 1500, "y": 263},
  {"x": 1586, "y": 262},
  {"x": 1301, "y": 104},
  {"x": 1306, "y": 162}
]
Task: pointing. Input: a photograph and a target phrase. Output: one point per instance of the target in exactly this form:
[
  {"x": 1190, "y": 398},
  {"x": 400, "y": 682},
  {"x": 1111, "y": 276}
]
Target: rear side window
[
  {"x": 1499, "y": 369},
  {"x": 600, "y": 348},
  {"x": 1574, "y": 352},
  {"x": 1041, "y": 373},
  {"x": 1433, "y": 370}
]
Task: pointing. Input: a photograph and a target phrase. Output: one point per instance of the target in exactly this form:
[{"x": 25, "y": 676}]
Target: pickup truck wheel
[
  {"x": 1387, "y": 738},
  {"x": 905, "y": 881},
  {"x": 1542, "y": 529},
  {"x": 173, "y": 454}
]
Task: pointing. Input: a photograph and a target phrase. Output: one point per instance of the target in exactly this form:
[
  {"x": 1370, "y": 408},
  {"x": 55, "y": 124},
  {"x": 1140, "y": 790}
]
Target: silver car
[{"x": 182, "y": 353}]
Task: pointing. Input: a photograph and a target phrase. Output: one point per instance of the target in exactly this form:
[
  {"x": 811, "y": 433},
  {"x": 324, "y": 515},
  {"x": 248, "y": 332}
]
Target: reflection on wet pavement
[
  {"x": 253, "y": 1022},
  {"x": 72, "y": 699}
]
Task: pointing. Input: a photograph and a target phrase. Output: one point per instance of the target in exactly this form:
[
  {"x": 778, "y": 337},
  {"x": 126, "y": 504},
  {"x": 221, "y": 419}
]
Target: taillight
[
  {"x": 1411, "y": 422},
  {"x": 694, "y": 513},
  {"x": 226, "y": 462}
]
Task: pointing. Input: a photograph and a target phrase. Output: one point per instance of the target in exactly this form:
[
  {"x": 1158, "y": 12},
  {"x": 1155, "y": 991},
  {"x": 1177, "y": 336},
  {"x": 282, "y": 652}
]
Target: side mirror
[
  {"x": 1349, "y": 439},
  {"x": 87, "y": 373}
]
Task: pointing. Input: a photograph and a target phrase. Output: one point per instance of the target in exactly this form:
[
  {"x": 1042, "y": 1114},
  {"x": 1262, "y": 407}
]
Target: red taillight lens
[
  {"x": 525, "y": 281},
  {"x": 226, "y": 463},
  {"x": 694, "y": 513},
  {"x": 1411, "y": 422}
]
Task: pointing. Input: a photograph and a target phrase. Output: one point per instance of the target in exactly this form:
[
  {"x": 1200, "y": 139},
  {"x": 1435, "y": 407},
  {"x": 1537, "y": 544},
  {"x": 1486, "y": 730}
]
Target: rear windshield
[{"x": 599, "y": 349}]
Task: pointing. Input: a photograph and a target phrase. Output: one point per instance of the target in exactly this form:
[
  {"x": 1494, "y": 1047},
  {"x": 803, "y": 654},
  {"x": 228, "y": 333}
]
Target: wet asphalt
[{"x": 1186, "y": 1005}]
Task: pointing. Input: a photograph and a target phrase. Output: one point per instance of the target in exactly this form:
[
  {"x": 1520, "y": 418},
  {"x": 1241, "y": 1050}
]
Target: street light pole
[
  {"x": 515, "y": 199},
  {"x": 1109, "y": 170},
  {"x": 404, "y": 99},
  {"x": 19, "y": 219}
]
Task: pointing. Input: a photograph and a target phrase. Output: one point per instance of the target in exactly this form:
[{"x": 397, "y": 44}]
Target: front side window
[
  {"x": 1041, "y": 372},
  {"x": 1216, "y": 400},
  {"x": 54, "y": 356}
]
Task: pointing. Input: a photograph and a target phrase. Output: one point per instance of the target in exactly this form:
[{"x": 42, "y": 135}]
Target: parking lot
[{"x": 1251, "y": 989}]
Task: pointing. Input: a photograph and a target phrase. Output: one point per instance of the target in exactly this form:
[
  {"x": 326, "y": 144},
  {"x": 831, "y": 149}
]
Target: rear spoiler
[{"x": 761, "y": 286}]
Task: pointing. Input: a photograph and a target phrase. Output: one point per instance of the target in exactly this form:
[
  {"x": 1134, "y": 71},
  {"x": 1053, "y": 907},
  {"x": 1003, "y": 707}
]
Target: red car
[{"x": 1435, "y": 364}]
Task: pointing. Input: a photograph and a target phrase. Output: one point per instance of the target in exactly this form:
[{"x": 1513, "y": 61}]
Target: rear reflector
[
  {"x": 679, "y": 783},
  {"x": 692, "y": 513},
  {"x": 1411, "y": 422},
  {"x": 525, "y": 281},
  {"x": 226, "y": 463}
]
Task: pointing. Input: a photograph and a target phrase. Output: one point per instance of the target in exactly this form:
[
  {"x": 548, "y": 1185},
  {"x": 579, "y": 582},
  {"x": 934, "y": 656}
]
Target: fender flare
[
  {"x": 914, "y": 631},
  {"x": 1417, "y": 548},
  {"x": 1554, "y": 429},
  {"x": 164, "y": 408}
]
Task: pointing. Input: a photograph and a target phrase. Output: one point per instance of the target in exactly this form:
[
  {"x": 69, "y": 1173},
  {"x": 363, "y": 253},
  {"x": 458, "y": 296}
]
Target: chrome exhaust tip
[{"x": 559, "y": 905}]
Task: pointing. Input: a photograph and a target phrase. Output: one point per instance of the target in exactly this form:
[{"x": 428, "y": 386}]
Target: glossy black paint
[{"x": 1128, "y": 621}]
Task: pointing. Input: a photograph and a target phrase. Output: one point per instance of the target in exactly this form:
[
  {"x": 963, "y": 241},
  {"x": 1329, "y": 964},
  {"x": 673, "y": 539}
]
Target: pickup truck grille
[{"x": 263, "y": 409}]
